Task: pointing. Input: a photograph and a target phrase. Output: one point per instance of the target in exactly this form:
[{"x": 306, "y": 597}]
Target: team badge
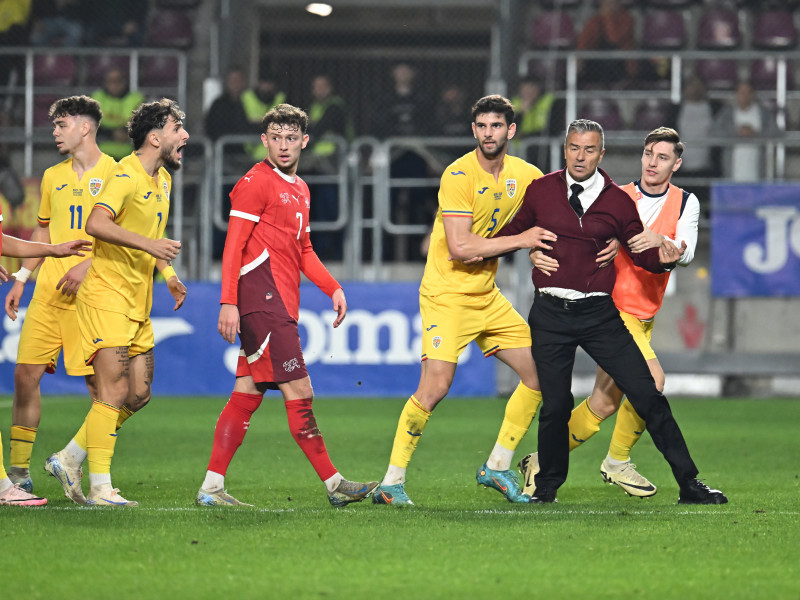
[
  {"x": 95, "y": 185},
  {"x": 511, "y": 187},
  {"x": 285, "y": 198},
  {"x": 437, "y": 341},
  {"x": 165, "y": 187}
]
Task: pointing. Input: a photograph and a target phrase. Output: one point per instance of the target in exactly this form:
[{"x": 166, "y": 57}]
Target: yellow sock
[
  {"x": 3, "y": 473},
  {"x": 22, "y": 439},
  {"x": 409, "y": 429},
  {"x": 520, "y": 411},
  {"x": 101, "y": 436},
  {"x": 583, "y": 424},
  {"x": 627, "y": 431},
  {"x": 124, "y": 414},
  {"x": 80, "y": 437}
]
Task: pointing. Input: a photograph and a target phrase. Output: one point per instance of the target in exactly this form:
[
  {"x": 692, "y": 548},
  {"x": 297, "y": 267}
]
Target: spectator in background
[
  {"x": 744, "y": 118},
  {"x": 117, "y": 102},
  {"x": 402, "y": 111},
  {"x": 694, "y": 115},
  {"x": 537, "y": 114},
  {"x": 327, "y": 116},
  {"x": 115, "y": 23},
  {"x": 257, "y": 102},
  {"x": 56, "y": 23},
  {"x": 453, "y": 113},
  {"x": 14, "y": 16},
  {"x": 611, "y": 28},
  {"x": 226, "y": 115}
]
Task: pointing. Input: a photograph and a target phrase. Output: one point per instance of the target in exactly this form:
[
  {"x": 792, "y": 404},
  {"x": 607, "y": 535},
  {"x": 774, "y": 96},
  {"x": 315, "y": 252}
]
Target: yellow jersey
[
  {"x": 468, "y": 191},
  {"x": 121, "y": 279},
  {"x": 64, "y": 208}
]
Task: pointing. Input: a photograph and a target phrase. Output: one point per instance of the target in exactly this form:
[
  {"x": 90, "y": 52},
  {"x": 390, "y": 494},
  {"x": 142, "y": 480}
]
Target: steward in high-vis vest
[
  {"x": 327, "y": 117},
  {"x": 257, "y": 102}
]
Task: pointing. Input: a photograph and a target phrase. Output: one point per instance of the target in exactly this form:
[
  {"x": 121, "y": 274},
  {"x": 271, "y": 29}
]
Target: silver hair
[{"x": 585, "y": 126}]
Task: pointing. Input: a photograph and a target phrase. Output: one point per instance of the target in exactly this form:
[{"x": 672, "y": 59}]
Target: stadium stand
[
  {"x": 664, "y": 30},
  {"x": 554, "y": 30},
  {"x": 98, "y": 64},
  {"x": 54, "y": 70},
  {"x": 719, "y": 74},
  {"x": 605, "y": 111},
  {"x": 650, "y": 114},
  {"x": 170, "y": 28},
  {"x": 718, "y": 29},
  {"x": 158, "y": 71},
  {"x": 774, "y": 30}
]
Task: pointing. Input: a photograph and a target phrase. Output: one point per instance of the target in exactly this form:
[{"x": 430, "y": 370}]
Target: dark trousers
[{"x": 594, "y": 324}]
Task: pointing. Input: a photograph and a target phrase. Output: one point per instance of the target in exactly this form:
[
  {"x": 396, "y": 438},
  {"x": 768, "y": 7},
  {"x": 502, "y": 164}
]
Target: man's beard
[
  {"x": 498, "y": 149},
  {"x": 166, "y": 156}
]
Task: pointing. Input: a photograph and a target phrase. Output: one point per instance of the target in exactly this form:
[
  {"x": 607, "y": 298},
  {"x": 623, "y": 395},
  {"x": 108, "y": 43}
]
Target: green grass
[{"x": 460, "y": 541}]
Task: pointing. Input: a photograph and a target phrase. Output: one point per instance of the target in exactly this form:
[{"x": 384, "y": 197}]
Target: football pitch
[{"x": 459, "y": 541}]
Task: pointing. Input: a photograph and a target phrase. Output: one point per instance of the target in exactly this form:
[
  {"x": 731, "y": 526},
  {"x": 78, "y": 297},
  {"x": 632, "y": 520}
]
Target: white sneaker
[
  {"x": 529, "y": 466},
  {"x": 216, "y": 498},
  {"x": 628, "y": 478},
  {"x": 105, "y": 495},
  {"x": 68, "y": 476}
]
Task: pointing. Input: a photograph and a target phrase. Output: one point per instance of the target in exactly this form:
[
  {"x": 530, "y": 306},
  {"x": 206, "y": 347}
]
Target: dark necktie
[{"x": 576, "y": 188}]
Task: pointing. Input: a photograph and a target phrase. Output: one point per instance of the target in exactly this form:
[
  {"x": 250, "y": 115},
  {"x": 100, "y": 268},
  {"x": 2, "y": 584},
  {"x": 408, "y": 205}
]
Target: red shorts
[{"x": 271, "y": 350}]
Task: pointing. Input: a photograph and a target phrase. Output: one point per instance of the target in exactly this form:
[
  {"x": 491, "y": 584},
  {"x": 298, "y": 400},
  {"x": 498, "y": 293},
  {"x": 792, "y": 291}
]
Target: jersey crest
[
  {"x": 95, "y": 185},
  {"x": 285, "y": 197},
  {"x": 165, "y": 187},
  {"x": 511, "y": 187}
]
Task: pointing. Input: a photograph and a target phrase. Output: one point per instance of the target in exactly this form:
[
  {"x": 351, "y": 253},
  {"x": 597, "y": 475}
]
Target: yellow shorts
[
  {"x": 642, "y": 332},
  {"x": 451, "y": 321},
  {"x": 45, "y": 331},
  {"x": 106, "y": 329}
]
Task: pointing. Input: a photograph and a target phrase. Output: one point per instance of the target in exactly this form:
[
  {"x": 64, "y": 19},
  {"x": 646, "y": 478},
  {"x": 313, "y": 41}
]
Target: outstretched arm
[
  {"x": 465, "y": 245},
  {"x": 101, "y": 225}
]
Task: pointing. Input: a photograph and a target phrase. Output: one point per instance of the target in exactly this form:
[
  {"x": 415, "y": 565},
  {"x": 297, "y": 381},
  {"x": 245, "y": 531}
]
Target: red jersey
[{"x": 268, "y": 244}]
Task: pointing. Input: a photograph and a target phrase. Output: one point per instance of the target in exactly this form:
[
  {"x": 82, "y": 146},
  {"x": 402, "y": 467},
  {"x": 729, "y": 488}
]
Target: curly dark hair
[
  {"x": 76, "y": 106},
  {"x": 152, "y": 115},
  {"x": 286, "y": 115},
  {"x": 494, "y": 104}
]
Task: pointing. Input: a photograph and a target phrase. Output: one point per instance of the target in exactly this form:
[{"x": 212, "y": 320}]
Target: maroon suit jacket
[{"x": 612, "y": 215}]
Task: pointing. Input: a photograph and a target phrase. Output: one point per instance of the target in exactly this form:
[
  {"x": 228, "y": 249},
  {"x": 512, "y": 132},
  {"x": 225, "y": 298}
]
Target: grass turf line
[{"x": 460, "y": 541}]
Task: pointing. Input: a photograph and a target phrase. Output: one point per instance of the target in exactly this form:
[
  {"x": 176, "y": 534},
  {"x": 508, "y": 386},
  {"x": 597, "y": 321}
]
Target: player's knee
[{"x": 27, "y": 377}]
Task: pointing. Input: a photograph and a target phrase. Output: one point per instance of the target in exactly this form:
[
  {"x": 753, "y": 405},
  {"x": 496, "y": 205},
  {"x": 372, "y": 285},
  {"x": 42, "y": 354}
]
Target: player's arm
[
  {"x": 239, "y": 230},
  {"x": 42, "y": 235},
  {"x": 629, "y": 226},
  {"x": 465, "y": 245},
  {"x": 312, "y": 267},
  {"x": 686, "y": 230},
  {"x": 13, "y": 246},
  {"x": 101, "y": 225},
  {"x": 174, "y": 285}
]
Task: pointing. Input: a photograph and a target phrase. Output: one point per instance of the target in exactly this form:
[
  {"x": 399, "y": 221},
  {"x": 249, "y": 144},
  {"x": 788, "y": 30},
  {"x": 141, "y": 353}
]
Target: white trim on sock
[
  {"x": 213, "y": 481},
  {"x": 98, "y": 479},
  {"x": 500, "y": 458},
  {"x": 332, "y": 482},
  {"x": 394, "y": 475},
  {"x": 616, "y": 463}
]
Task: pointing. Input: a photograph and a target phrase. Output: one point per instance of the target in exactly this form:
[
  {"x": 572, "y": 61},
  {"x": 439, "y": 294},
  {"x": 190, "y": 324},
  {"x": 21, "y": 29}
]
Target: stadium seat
[
  {"x": 774, "y": 30},
  {"x": 764, "y": 74},
  {"x": 99, "y": 64},
  {"x": 672, "y": 3},
  {"x": 718, "y": 29},
  {"x": 41, "y": 107},
  {"x": 554, "y": 30},
  {"x": 664, "y": 29},
  {"x": 718, "y": 74},
  {"x": 562, "y": 3},
  {"x": 157, "y": 71},
  {"x": 604, "y": 111},
  {"x": 651, "y": 113},
  {"x": 553, "y": 72},
  {"x": 170, "y": 29},
  {"x": 54, "y": 69}
]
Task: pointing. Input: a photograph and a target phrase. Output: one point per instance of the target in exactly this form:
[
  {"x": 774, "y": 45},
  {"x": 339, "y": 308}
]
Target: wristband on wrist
[
  {"x": 22, "y": 275},
  {"x": 168, "y": 273}
]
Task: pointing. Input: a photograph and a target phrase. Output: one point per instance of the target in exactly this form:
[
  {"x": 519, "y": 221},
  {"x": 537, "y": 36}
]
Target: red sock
[
  {"x": 231, "y": 427},
  {"x": 303, "y": 427}
]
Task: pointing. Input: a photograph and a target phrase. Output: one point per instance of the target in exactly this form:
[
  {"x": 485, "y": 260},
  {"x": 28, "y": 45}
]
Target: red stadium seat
[
  {"x": 764, "y": 74},
  {"x": 157, "y": 71},
  {"x": 718, "y": 74},
  {"x": 54, "y": 69},
  {"x": 604, "y": 111},
  {"x": 170, "y": 29},
  {"x": 554, "y": 30},
  {"x": 41, "y": 108},
  {"x": 774, "y": 30},
  {"x": 98, "y": 65},
  {"x": 553, "y": 72},
  {"x": 650, "y": 114},
  {"x": 719, "y": 30},
  {"x": 664, "y": 29}
]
